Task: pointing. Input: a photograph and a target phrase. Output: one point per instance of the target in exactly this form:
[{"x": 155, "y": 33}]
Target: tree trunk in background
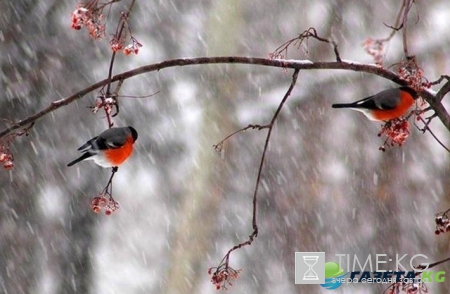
[
  {"x": 18, "y": 239},
  {"x": 40, "y": 253},
  {"x": 197, "y": 216}
]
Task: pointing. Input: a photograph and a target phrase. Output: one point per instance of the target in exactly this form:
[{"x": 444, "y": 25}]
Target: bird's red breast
[
  {"x": 406, "y": 101},
  {"x": 117, "y": 156}
]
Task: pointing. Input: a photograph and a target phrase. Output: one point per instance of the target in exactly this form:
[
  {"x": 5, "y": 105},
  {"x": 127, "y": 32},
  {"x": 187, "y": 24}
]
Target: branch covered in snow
[{"x": 435, "y": 103}]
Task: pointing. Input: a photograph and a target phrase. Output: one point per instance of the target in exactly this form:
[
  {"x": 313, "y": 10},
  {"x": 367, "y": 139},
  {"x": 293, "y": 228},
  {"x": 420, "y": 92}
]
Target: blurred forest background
[{"x": 325, "y": 185}]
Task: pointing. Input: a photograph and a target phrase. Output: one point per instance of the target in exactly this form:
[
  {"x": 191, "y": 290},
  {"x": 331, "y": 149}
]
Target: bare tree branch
[
  {"x": 445, "y": 89},
  {"x": 293, "y": 64},
  {"x": 224, "y": 264}
]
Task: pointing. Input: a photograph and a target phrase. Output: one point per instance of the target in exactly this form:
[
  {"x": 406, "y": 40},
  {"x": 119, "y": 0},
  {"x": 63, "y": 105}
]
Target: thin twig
[
  {"x": 108, "y": 189},
  {"x": 441, "y": 78},
  {"x": 266, "y": 145},
  {"x": 398, "y": 25},
  {"x": 297, "y": 41},
  {"x": 111, "y": 65},
  {"x": 427, "y": 128},
  {"x": 254, "y": 234},
  {"x": 431, "y": 265},
  {"x": 119, "y": 35},
  {"x": 218, "y": 146},
  {"x": 139, "y": 97},
  {"x": 407, "y": 7}
]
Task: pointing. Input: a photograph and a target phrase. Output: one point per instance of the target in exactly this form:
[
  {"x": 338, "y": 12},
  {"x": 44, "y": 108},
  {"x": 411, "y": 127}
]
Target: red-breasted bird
[
  {"x": 109, "y": 149},
  {"x": 384, "y": 106}
]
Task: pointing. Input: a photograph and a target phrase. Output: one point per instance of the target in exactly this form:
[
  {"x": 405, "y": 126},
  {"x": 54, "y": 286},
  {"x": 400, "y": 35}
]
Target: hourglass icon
[{"x": 310, "y": 274}]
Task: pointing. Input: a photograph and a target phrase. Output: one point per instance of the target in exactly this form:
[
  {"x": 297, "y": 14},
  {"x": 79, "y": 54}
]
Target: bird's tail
[
  {"x": 82, "y": 157},
  {"x": 345, "y": 105}
]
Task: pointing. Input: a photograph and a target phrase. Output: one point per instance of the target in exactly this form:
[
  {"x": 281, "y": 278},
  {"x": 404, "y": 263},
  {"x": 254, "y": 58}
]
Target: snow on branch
[{"x": 435, "y": 104}]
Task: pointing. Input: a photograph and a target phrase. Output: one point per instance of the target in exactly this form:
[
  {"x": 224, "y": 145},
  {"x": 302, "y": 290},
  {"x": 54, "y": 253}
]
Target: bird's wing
[
  {"x": 113, "y": 139},
  {"x": 88, "y": 145},
  {"x": 388, "y": 99},
  {"x": 385, "y": 100}
]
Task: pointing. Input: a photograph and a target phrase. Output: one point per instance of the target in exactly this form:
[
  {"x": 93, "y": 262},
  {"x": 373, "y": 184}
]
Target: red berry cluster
[
  {"x": 118, "y": 45},
  {"x": 101, "y": 202},
  {"x": 396, "y": 131},
  {"x": 90, "y": 15},
  {"x": 6, "y": 158},
  {"x": 413, "y": 74},
  {"x": 442, "y": 223},
  {"x": 132, "y": 48},
  {"x": 105, "y": 103},
  {"x": 90, "y": 18},
  {"x": 375, "y": 48},
  {"x": 223, "y": 275}
]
